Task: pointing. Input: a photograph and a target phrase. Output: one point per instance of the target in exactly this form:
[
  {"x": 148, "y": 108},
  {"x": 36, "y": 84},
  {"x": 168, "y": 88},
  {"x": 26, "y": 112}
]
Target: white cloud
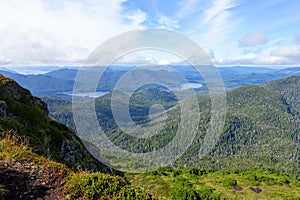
[
  {"x": 137, "y": 17},
  {"x": 285, "y": 55},
  {"x": 55, "y": 32},
  {"x": 164, "y": 62},
  {"x": 217, "y": 23},
  {"x": 218, "y": 8},
  {"x": 286, "y": 51},
  {"x": 188, "y": 8},
  {"x": 148, "y": 57},
  {"x": 131, "y": 59},
  {"x": 168, "y": 22},
  {"x": 269, "y": 60},
  {"x": 297, "y": 38},
  {"x": 34, "y": 31},
  {"x": 253, "y": 39}
]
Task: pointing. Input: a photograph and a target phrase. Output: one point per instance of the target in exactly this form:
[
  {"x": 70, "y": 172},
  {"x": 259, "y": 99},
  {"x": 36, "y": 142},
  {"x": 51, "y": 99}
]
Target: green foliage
[
  {"x": 3, "y": 192},
  {"x": 101, "y": 186},
  {"x": 227, "y": 182},
  {"x": 16, "y": 148},
  {"x": 268, "y": 176},
  {"x": 224, "y": 184},
  {"x": 206, "y": 192},
  {"x": 133, "y": 193},
  {"x": 184, "y": 194},
  {"x": 184, "y": 190},
  {"x": 13, "y": 146}
]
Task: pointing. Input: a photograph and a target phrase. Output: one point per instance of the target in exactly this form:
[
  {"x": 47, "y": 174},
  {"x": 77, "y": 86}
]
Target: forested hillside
[{"x": 262, "y": 126}]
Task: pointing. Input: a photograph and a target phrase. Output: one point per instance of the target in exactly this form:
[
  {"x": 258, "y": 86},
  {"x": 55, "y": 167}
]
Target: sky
[{"x": 232, "y": 32}]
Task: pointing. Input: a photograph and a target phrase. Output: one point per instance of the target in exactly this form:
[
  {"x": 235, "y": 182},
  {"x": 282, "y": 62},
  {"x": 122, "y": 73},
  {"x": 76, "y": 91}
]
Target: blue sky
[{"x": 55, "y": 32}]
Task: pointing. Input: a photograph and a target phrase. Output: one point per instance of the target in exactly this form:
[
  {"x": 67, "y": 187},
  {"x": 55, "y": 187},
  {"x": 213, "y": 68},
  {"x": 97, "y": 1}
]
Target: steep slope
[
  {"x": 26, "y": 114},
  {"x": 26, "y": 175},
  {"x": 289, "y": 89},
  {"x": 260, "y": 129}
]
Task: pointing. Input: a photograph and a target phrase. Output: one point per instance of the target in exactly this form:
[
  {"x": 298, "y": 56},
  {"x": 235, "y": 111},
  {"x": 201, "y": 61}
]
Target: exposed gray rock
[{"x": 3, "y": 108}]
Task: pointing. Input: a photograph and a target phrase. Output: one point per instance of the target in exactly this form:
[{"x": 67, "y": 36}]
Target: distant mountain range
[{"x": 60, "y": 80}]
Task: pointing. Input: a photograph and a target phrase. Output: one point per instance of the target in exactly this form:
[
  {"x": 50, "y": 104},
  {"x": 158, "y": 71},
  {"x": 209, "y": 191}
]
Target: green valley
[
  {"x": 261, "y": 126},
  {"x": 257, "y": 156}
]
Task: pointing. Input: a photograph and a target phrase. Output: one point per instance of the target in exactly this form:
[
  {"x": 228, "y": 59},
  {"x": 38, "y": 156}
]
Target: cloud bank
[
  {"x": 253, "y": 39},
  {"x": 43, "y": 32}
]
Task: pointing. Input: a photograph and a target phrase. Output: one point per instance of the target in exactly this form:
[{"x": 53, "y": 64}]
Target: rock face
[
  {"x": 3, "y": 107},
  {"x": 28, "y": 115}
]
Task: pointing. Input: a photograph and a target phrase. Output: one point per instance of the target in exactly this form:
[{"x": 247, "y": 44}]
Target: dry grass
[{"x": 15, "y": 139}]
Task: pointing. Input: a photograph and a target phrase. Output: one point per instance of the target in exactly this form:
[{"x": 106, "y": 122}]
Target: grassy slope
[
  {"x": 219, "y": 185},
  {"x": 76, "y": 184}
]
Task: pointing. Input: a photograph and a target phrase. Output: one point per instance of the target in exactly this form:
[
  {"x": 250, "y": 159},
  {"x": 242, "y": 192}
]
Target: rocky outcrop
[
  {"x": 73, "y": 151},
  {"x": 3, "y": 107}
]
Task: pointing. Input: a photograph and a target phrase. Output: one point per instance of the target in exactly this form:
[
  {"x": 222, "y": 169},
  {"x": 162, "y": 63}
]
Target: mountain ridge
[
  {"x": 58, "y": 81},
  {"x": 28, "y": 115}
]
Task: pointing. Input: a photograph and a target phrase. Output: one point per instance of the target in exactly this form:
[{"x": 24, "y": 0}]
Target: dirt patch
[
  {"x": 237, "y": 188},
  {"x": 256, "y": 190},
  {"x": 27, "y": 180}
]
